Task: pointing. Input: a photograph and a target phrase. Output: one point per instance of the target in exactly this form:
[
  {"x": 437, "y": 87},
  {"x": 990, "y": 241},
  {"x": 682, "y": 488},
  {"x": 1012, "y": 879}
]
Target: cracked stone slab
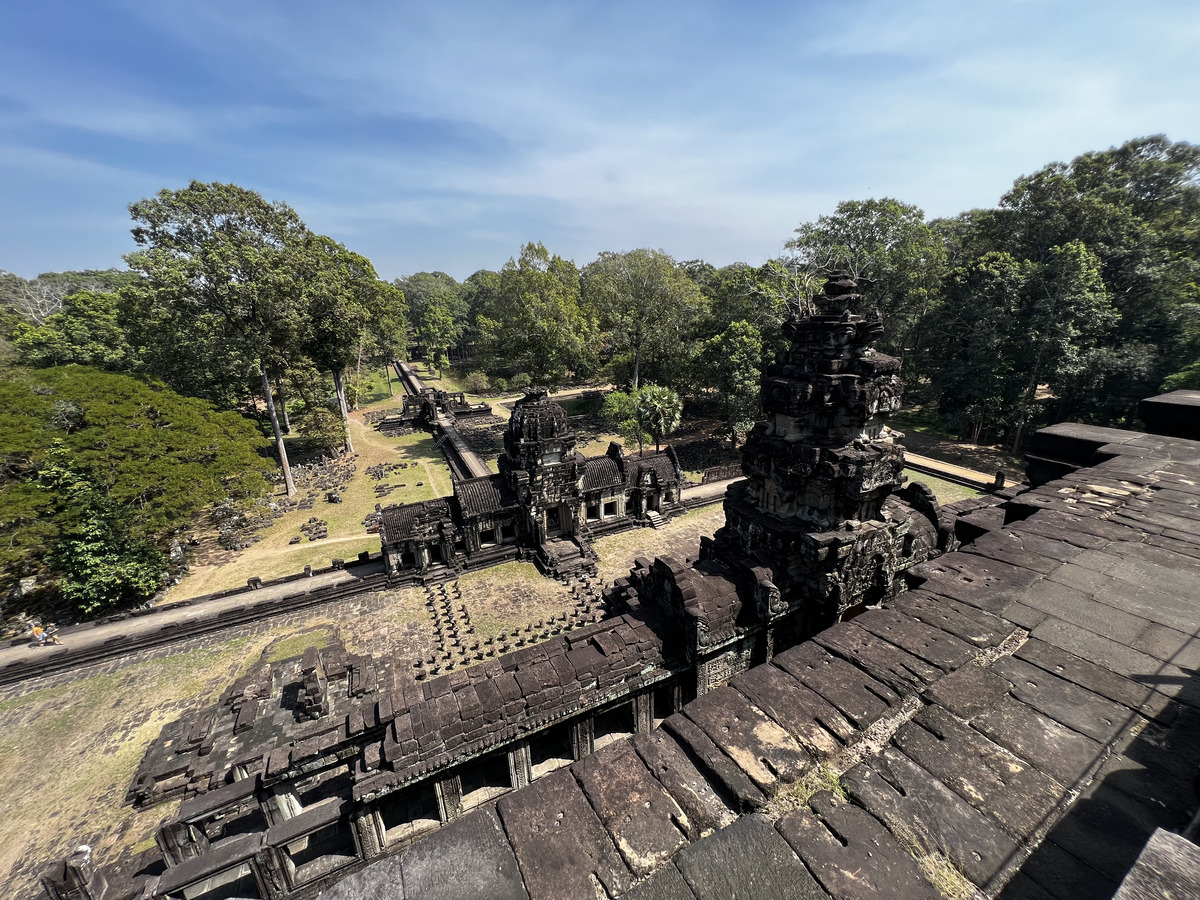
[
  {"x": 851, "y": 854},
  {"x": 666, "y": 884},
  {"x": 717, "y": 767},
  {"x": 810, "y": 718},
  {"x": 1082, "y": 672},
  {"x": 764, "y": 751},
  {"x": 912, "y": 802},
  {"x": 969, "y": 691},
  {"x": 560, "y": 845},
  {"x": 1058, "y": 751},
  {"x": 925, "y": 642},
  {"x": 858, "y": 696},
  {"x": 1061, "y": 875},
  {"x": 1098, "y": 717},
  {"x": 990, "y": 778},
  {"x": 645, "y": 823},
  {"x": 468, "y": 860},
  {"x": 1106, "y": 828},
  {"x": 704, "y": 809},
  {"x": 966, "y": 622},
  {"x": 747, "y": 861}
]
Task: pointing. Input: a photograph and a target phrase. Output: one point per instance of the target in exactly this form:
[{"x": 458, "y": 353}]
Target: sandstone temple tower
[{"x": 823, "y": 507}]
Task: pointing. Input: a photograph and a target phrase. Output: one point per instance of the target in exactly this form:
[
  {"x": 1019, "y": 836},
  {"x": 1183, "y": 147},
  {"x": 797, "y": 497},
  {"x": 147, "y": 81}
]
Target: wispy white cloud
[{"x": 444, "y": 134}]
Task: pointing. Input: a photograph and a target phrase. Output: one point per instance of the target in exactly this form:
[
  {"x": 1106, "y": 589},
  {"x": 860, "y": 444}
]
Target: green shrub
[{"x": 475, "y": 382}]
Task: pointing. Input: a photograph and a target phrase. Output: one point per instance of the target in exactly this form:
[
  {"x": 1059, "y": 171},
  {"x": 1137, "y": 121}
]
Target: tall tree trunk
[
  {"x": 387, "y": 371},
  {"x": 358, "y": 372},
  {"x": 1030, "y": 396},
  {"x": 340, "y": 387},
  {"x": 637, "y": 364},
  {"x": 287, "y": 422},
  {"x": 283, "y": 459}
]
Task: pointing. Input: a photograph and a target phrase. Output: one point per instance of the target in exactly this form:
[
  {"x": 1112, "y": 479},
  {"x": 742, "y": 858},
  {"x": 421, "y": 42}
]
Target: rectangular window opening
[
  {"x": 314, "y": 855},
  {"x": 236, "y": 882},
  {"x": 484, "y": 779},
  {"x": 409, "y": 812},
  {"x": 613, "y": 725},
  {"x": 550, "y": 750},
  {"x": 664, "y": 703}
]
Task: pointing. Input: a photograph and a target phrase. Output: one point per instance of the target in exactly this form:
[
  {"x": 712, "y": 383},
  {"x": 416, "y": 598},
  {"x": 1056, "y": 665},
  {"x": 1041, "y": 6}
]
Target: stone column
[
  {"x": 643, "y": 711},
  {"x": 75, "y": 878},
  {"x": 179, "y": 841},
  {"x": 368, "y": 830},
  {"x": 581, "y": 738},
  {"x": 520, "y": 766},
  {"x": 279, "y": 804},
  {"x": 449, "y": 794}
]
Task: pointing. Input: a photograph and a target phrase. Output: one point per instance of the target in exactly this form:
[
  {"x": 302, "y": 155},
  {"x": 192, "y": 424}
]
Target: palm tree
[{"x": 659, "y": 410}]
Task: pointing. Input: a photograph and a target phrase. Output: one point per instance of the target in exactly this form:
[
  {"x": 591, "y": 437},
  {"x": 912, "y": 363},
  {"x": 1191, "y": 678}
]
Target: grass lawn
[
  {"x": 68, "y": 752},
  {"x": 945, "y": 491},
  {"x": 680, "y": 539},
  {"x": 511, "y": 595},
  {"x": 273, "y": 556}
]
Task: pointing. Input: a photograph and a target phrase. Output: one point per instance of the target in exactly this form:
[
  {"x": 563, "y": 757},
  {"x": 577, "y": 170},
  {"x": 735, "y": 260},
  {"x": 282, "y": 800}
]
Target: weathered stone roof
[
  {"x": 601, "y": 473},
  {"x": 483, "y": 496},
  {"x": 399, "y": 523},
  {"x": 466, "y": 712},
  {"x": 536, "y": 417},
  {"x": 1020, "y": 722},
  {"x": 658, "y": 464}
]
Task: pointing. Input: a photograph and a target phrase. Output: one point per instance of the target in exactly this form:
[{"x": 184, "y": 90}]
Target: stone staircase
[{"x": 656, "y": 521}]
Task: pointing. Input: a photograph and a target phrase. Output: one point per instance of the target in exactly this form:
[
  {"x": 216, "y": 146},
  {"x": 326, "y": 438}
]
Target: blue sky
[{"x": 444, "y": 135}]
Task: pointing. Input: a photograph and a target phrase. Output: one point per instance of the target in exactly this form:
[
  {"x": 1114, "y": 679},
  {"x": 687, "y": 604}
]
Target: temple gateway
[{"x": 547, "y": 502}]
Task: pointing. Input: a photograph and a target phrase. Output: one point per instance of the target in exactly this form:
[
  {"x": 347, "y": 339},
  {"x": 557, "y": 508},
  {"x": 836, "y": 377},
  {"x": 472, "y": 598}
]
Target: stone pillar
[
  {"x": 643, "y": 711},
  {"x": 520, "y": 766},
  {"x": 274, "y": 872},
  {"x": 368, "y": 830},
  {"x": 279, "y": 804},
  {"x": 449, "y": 794},
  {"x": 179, "y": 841},
  {"x": 581, "y": 738}
]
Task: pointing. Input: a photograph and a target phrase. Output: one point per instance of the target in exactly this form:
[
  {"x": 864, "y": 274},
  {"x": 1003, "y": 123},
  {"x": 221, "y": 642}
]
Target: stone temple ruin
[
  {"x": 849, "y": 693},
  {"x": 306, "y": 769},
  {"x": 547, "y": 503}
]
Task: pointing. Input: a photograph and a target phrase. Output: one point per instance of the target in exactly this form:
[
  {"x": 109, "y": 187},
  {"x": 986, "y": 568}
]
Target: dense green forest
[{"x": 134, "y": 398}]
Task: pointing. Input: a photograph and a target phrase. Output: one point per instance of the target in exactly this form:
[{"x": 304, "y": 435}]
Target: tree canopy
[
  {"x": 888, "y": 245},
  {"x": 534, "y": 320},
  {"x": 99, "y": 468},
  {"x": 646, "y": 305},
  {"x": 219, "y": 259}
]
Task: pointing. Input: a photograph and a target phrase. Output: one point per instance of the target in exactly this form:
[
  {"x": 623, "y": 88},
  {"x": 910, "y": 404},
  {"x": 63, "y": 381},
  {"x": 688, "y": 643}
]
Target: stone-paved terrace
[{"x": 1017, "y": 725}]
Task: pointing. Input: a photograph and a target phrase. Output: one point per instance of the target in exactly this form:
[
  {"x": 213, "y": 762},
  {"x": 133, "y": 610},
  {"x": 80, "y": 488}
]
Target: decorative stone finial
[{"x": 840, "y": 294}]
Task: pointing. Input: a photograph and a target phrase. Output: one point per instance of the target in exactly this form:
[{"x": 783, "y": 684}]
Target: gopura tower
[{"x": 823, "y": 507}]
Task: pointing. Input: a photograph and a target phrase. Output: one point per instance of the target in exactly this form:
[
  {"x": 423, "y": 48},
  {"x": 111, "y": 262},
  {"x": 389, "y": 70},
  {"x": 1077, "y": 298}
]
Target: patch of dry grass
[
  {"x": 679, "y": 538},
  {"x": 938, "y": 870},
  {"x": 68, "y": 752},
  {"x": 296, "y": 644},
  {"x": 945, "y": 491},
  {"x": 511, "y": 596},
  {"x": 796, "y": 796},
  {"x": 273, "y": 557}
]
